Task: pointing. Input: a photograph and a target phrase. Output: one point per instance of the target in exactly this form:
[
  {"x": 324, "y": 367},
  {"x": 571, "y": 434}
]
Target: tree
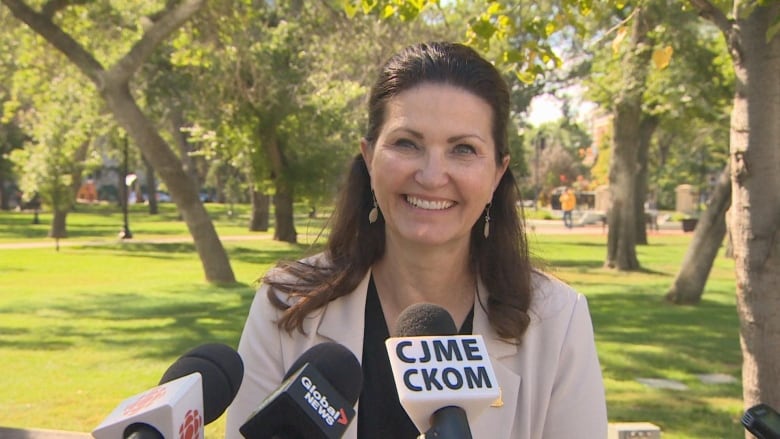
[
  {"x": 291, "y": 98},
  {"x": 113, "y": 84},
  {"x": 751, "y": 34},
  {"x": 51, "y": 164},
  {"x": 12, "y": 136},
  {"x": 688, "y": 285}
]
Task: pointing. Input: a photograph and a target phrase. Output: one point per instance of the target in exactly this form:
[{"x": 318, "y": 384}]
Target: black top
[{"x": 380, "y": 415}]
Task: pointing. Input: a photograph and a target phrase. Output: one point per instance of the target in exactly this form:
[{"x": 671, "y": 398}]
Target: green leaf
[
  {"x": 493, "y": 9},
  {"x": 368, "y": 6},
  {"x": 9, "y": 110},
  {"x": 525, "y": 76},
  {"x": 585, "y": 7},
  {"x": 350, "y": 8},
  {"x": 513, "y": 56},
  {"x": 549, "y": 28},
  {"x": 417, "y": 4},
  {"x": 483, "y": 28},
  {"x": 387, "y": 12}
]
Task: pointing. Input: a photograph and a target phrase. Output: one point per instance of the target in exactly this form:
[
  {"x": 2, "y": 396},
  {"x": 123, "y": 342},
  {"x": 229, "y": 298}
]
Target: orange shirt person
[{"x": 568, "y": 203}]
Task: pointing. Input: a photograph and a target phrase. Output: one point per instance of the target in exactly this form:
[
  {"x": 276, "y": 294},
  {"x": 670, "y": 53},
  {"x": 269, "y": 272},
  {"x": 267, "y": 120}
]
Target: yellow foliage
[
  {"x": 662, "y": 57},
  {"x": 619, "y": 37}
]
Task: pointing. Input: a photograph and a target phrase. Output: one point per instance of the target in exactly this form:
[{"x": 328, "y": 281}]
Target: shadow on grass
[
  {"x": 20, "y": 225},
  {"x": 93, "y": 221},
  {"x": 641, "y": 336},
  {"x": 160, "y": 325},
  {"x": 259, "y": 255},
  {"x": 707, "y": 333},
  {"x": 577, "y": 263},
  {"x": 157, "y": 250},
  {"x": 686, "y": 415}
]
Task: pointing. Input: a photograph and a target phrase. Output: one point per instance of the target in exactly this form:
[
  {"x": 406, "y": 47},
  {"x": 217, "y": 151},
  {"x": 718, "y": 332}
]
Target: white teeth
[{"x": 428, "y": 205}]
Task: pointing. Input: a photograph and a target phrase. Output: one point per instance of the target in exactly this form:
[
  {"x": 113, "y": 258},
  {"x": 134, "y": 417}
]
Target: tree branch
[
  {"x": 52, "y": 6},
  {"x": 168, "y": 22},
  {"x": 43, "y": 26},
  {"x": 712, "y": 13}
]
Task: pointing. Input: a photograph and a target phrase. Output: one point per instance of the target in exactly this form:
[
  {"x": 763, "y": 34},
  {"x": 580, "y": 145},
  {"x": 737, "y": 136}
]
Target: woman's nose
[{"x": 433, "y": 170}]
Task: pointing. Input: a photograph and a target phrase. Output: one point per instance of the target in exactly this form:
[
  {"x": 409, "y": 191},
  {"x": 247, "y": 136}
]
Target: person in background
[
  {"x": 568, "y": 203},
  {"x": 428, "y": 214},
  {"x": 651, "y": 213}
]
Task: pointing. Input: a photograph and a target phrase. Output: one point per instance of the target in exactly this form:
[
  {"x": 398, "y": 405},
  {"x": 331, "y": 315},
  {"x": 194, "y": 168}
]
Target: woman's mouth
[{"x": 428, "y": 204}]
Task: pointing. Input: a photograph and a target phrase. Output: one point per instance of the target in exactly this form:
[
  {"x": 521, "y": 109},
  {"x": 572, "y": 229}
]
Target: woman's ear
[
  {"x": 367, "y": 152},
  {"x": 500, "y": 170}
]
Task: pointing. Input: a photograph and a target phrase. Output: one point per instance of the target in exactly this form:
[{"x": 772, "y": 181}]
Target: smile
[{"x": 429, "y": 205}]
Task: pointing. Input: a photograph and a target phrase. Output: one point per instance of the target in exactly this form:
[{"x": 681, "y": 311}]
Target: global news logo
[{"x": 320, "y": 404}]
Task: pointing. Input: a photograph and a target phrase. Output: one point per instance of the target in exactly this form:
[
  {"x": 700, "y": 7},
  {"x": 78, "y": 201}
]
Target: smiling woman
[
  {"x": 434, "y": 169},
  {"x": 428, "y": 215}
]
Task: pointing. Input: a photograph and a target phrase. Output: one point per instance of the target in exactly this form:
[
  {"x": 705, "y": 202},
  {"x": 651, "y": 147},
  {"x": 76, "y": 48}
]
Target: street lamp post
[
  {"x": 538, "y": 147},
  {"x": 125, "y": 233}
]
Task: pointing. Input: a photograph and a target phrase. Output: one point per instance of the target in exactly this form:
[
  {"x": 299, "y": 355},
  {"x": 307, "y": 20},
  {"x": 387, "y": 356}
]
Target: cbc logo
[
  {"x": 144, "y": 401},
  {"x": 190, "y": 428}
]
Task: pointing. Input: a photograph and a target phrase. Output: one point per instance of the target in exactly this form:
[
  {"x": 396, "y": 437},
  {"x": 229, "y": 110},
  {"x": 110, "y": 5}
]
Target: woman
[{"x": 428, "y": 215}]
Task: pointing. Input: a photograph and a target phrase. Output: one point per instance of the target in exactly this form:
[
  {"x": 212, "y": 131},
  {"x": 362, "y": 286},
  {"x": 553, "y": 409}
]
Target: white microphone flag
[{"x": 433, "y": 372}]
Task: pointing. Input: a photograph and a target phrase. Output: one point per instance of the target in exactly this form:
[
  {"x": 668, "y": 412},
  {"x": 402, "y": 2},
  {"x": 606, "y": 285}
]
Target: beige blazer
[{"x": 551, "y": 383}]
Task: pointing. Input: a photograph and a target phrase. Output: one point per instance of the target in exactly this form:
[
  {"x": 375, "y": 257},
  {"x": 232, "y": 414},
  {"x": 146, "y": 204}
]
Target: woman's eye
[
  {"x": 404, "y": 143},
  {"x": 464, "y": 149}
]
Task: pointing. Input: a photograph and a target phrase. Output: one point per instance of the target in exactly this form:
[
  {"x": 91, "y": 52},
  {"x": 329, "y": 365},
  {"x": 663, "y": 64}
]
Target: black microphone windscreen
[
  {"x": 221, "y": 371},
  {"x": 337, "y": 364},
  {"x": 424, "y": 319}
]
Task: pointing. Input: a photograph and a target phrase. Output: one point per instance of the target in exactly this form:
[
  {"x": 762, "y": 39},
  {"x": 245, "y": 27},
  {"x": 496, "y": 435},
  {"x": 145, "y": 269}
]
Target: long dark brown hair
[{"x": 354, "y": 245}]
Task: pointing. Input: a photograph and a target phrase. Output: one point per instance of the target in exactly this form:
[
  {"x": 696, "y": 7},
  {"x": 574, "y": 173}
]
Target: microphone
[
  {"x": 194, "y": 391},
  {"x": 315, "y": 400},
  {"x": 763, "y": 421},
  {"x": 443, "y": 380}
]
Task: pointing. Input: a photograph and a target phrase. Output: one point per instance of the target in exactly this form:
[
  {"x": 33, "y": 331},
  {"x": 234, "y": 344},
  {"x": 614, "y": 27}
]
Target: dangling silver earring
[
  {"x": 374, "y": 213},
  {"x": 486, "y": 230}
]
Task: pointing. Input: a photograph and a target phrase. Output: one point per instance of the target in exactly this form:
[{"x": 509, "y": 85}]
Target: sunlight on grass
[{"x": 86, "y": 327}]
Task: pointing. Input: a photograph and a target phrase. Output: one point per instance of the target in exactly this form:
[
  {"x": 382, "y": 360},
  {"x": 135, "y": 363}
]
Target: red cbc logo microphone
[
  {"x": 144, "y": 401},
  {"x": 190, "y": 428}
]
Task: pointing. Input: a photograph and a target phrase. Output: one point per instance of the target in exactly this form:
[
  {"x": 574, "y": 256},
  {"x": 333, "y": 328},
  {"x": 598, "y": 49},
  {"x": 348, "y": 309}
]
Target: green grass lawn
[{"x": 85, "y": 327}]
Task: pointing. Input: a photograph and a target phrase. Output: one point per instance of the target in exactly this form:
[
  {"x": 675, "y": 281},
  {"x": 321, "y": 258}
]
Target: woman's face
[{"x": 433, "y": 167}]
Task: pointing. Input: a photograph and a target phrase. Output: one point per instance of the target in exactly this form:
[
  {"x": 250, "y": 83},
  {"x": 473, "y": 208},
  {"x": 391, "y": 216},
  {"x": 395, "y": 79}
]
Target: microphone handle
[
  {"x": 141, "y": 431},
  {"x": 449, "y": 423}
]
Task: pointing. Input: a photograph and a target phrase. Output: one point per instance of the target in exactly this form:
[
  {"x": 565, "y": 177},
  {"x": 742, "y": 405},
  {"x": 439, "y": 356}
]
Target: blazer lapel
[
  {"x": 344, "y": 323},
  {"x": 492, "y": 422}
]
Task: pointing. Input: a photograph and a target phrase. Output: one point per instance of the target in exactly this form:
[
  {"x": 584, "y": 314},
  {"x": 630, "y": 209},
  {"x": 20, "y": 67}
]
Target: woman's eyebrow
[
  {"x": 464, "y": 136},
  {"x": 412, "y": 132}
]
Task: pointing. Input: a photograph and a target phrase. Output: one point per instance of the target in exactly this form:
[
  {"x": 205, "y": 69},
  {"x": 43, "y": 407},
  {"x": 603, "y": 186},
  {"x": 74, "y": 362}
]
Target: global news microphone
[{"x": 428, "y": 213}]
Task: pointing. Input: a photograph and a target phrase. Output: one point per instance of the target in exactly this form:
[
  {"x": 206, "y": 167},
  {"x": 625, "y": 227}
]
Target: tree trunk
[
  {"x": 755, "y": 218},
  {"x": 113, "y": 85},
  {"x": 151, "y": 187},
  {"x": 58, "y": 228},
  {"x": 283, "y": 197},
  {"x": 283, "y": 204},
  {"x": 184, "y": 193},
  {"x": 646, "y": 129},
  {"x": 122, "y": 193},
  {"x": 4, "y": 204},
  {"x": 621, "y": 217},
  {"x": 77, "y": 177},
  {"x": 688, "y": 286},
  {"x": 261, "y": 212}
]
